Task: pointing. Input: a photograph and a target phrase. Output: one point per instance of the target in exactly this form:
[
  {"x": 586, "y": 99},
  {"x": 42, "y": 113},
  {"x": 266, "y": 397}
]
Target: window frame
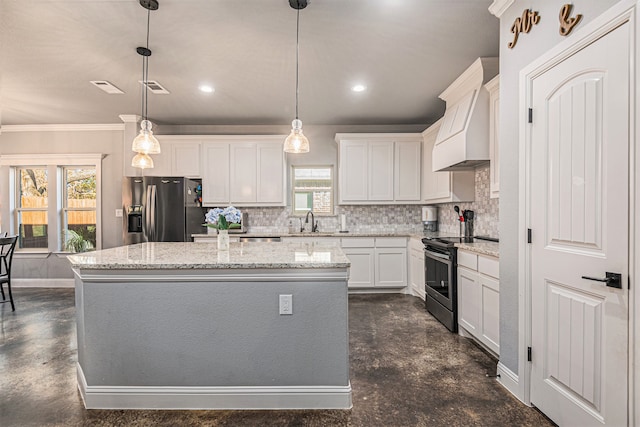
[
  {"x": 293, "y": 190},
  {"x": 55, "y": 164},
  {"x": 64, "y": 200},
  {"x": 18, "y": 209}
]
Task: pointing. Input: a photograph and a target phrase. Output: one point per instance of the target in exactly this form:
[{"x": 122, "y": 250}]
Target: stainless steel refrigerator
[{"x": 159, "y": 209}]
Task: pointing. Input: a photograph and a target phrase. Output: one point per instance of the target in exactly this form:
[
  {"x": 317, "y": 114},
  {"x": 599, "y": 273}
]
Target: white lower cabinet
[
  {"x": 362, "y": 272},
  {"x": 376, "y": 262},
  {"x": 479, "y": 298},
  {"x": 416, "y": 267}
]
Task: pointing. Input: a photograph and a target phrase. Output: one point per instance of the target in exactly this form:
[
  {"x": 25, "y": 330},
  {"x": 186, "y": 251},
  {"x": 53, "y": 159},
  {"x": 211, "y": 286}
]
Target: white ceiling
[{"x": 405, "y": 51}]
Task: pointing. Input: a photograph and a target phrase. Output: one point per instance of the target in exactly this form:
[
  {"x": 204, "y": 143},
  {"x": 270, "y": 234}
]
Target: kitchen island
[{"x": 184, "y": 326}]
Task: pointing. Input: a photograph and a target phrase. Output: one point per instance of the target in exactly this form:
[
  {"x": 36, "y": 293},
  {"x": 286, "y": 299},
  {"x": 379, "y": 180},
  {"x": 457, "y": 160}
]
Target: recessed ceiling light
[
  {"x": 359, "y": 88},
  {"x": 206, "y": 89}
]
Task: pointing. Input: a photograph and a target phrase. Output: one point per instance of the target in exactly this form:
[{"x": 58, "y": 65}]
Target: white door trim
[{"x": 624, "y": 11}]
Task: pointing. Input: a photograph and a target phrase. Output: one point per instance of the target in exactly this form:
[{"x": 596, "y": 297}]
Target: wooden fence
[{"x": 35, "y": 218}]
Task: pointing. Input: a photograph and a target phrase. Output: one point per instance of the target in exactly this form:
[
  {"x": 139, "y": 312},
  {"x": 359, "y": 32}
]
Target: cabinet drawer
[
  {"x": 358, "y": 242},
  {"x": 489, "y": 266},
  {"x": 391, "y": 242},
  {"x": 468, "y": 259}
]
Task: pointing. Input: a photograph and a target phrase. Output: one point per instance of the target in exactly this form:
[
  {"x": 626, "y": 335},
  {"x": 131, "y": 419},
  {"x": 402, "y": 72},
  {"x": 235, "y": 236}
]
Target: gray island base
[{"x": 183, "y": 326}]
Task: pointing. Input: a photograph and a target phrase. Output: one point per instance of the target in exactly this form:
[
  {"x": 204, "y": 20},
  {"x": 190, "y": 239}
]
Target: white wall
[
  {"x": 106, "y": 142},
  {"x": 530, "y": 46}
]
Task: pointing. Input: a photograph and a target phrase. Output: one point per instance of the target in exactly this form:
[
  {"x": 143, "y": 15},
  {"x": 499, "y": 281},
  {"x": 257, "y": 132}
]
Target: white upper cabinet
[
  {"x": 243, "y": 171},
  {"x": 407, "y": 168},
  {"x": 494, "y": 131},
  {"x": 380, "y": 173},
  {"x": 442, "y": 187},
  {"x": 180, "y": 156},
  {"x": 379, "y": 168},
  {"x": 215, "y": 173},
  {"x": 271, "y": 173},
  {"x": 243, "y": 168},
  {"x": 354, "y": 177}
]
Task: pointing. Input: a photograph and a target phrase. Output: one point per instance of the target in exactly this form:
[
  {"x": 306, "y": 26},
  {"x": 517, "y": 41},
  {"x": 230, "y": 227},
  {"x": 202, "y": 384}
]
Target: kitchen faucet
[{"x": 314, "y": 224}]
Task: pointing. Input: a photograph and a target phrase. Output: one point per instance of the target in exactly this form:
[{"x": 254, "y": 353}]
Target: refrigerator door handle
[
  {"x": 147, "y": 214},
  {"x": 154, "y": 212}
]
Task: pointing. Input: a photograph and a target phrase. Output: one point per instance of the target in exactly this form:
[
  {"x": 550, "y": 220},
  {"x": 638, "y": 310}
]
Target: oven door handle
[{"x": 437, "y": 256}]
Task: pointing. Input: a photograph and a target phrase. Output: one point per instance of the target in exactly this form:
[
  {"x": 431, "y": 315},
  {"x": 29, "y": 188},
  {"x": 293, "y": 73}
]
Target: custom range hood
[{"x": 463, "y": 139}]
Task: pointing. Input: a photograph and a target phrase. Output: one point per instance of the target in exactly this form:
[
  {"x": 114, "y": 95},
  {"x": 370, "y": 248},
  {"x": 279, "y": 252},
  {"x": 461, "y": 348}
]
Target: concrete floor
[{"x": 406, "y": 370}]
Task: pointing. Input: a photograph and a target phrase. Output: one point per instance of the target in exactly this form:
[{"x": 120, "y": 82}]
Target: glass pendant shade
[
  {"x": 142, "y": 161},
  {"x": 145, "y": 142},
  {"x": 296, "y": 142}
]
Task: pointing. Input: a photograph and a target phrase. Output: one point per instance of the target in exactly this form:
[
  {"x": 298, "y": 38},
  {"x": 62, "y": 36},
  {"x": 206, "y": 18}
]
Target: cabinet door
[
  {"x": 353, "y": 171},
  {"x": 162, "y": 161},
  {"x": 494, "y": 132},
  {"x": 271, "y": 174},
  {"x": 490, "y": 297},
  {"x": 391, "y": 267},
  {"x": 380, "y": 170},
  {"x": 361, "y": 272},
  {"x": 407, "y": 171},
  {"x": 243, "y": 179},
  {"x": 469, "y": 300},
  {"x": 436, "y": 186},
  {"x": 416, "y": 271},
  {"x": 185, "y": 159},
  {"x": 215, "y": 174}
]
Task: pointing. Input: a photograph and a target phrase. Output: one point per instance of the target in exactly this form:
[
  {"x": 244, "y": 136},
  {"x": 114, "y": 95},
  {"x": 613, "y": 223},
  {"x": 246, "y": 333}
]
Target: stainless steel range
[{"x": 441, "y": 265}]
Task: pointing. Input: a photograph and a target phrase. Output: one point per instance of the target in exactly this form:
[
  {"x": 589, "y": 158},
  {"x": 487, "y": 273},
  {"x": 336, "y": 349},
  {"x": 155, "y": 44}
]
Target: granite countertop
[
  {"x": 319, "y": 234},
  {"x": 189, "y": 255},
  {"x": 483, "y": 248}
]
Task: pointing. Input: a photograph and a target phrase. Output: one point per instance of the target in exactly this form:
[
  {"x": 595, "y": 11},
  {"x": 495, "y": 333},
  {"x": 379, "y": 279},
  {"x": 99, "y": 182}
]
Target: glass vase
[{"x": 223, "y": 240}]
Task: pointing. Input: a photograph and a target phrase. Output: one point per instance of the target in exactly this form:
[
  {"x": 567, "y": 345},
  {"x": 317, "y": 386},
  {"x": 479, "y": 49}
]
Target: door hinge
[
  {"x": 628, "y": 282},
  {"x": 528, "y": 235},
  {"x": 530, "y": 115},
  {"x": 528, "y": 354}
]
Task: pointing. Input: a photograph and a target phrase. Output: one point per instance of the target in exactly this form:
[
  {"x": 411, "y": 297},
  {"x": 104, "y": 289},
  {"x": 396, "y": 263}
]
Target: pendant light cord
[
  {"x": 146, "y": 71},
  {"x": 297, "y": 54}
]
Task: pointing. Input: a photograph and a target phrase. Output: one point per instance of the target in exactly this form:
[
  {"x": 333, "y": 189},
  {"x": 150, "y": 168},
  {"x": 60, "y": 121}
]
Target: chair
[{"x": 7, "y": 247}]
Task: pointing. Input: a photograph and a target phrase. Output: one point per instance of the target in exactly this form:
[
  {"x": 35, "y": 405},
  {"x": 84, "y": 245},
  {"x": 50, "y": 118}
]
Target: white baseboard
[
  {"x": 377, "y": 291},
  {"x": 42, "y": 283},
  {"x": 156, "y": 397},
  {"x": 509, "y": 380}
]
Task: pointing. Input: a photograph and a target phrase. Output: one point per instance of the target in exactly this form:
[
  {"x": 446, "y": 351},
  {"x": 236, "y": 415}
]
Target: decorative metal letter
[
  {"x": 523, "y": 24},
  {"x": 566, "y": 23}
]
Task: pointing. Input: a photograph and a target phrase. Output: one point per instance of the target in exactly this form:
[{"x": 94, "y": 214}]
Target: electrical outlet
[
  {"x": 118, "y": 213},
  {"x": 286, "y": 304}
]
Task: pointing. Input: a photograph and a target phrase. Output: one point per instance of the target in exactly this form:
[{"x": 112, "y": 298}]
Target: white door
[{"x": 579, "y": 218}]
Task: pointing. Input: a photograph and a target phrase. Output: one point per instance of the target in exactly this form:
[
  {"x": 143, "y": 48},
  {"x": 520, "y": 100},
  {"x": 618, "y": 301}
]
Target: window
[
  {"x": 79, "y": 209},
  {"x": 53, "y": 201},
  {"x": 312, "y": 190},
  {"x": 32, "y": 207}
]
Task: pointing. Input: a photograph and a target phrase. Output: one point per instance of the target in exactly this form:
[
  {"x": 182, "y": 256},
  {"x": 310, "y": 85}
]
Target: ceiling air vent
[
  {"x": 107, "y": 87},
  {"x": 155, "y": 87}
]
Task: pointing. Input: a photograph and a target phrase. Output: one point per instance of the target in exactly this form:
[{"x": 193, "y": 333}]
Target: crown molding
[
  {"x": 130, "y": 118},
  {"x": 498, "y": 7},
  {"x": 62, "y": 128}
]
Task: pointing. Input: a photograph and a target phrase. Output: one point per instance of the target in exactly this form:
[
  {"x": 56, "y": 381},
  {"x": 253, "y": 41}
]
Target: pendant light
[
  {"x": 145, "y": 143},
  {"x": 296, "y": 142},
  {"x": 142, "y": 161}
]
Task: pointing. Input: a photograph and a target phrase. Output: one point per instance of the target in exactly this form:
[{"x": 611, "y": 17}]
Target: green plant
[{"x": 74, "y": 242}]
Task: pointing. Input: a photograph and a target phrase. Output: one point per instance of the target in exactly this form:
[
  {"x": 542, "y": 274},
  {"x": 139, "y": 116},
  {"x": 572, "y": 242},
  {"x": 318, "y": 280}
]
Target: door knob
[{"x": 613, "y": 280}]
